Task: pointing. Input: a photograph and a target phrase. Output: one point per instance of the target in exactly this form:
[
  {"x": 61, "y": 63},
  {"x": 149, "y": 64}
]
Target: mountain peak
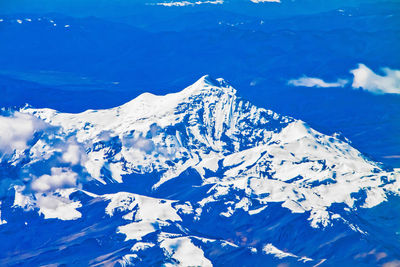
[
  {"x": 206, "y": 82},
  {"x": 205, "y": 89}
]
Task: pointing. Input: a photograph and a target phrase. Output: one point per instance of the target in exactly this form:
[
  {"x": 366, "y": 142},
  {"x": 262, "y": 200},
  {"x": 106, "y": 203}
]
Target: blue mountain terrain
[{"x": 120, "y": 147}]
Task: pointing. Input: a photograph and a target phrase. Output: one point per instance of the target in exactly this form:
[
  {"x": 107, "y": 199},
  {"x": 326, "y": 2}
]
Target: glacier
[{"x": 198, "y": 177}]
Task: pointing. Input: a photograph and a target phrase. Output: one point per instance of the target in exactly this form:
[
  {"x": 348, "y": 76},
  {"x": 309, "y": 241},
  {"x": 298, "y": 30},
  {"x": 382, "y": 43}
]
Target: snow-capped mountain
[{"x": 167, "y": 172}]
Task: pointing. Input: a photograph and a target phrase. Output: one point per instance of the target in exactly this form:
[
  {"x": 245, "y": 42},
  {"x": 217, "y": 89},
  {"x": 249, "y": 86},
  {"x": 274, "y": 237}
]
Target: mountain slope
[
  {"x": 226, "y": 140},
  {"x": 195, "y": 177}
]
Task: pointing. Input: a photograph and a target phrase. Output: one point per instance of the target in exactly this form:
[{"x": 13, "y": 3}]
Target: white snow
[
  {"x": 182, "y": 250},
  {"x": 145, "y": 212},
  {"x": 289, "y": 163},
  {"x": 187, "y": 3},
  {"x": 136, "y": 230},
  {"x": 141, "y": 246},
  {"x": 270, "y": 249},
  {"x": 147, "y": 208},
  {"x": 1, "y": 220}
]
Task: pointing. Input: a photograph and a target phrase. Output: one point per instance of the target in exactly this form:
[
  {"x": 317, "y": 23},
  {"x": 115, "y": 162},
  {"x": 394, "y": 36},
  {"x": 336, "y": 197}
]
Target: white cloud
[
  {"x": 58, "y": 207},
  {"x": 52, "y": 205},
  {"x": 73, "y": 152},
  {"x": 316, "y": 82},
  {"x": 141, "y": 143},
  {"x": 17, "y": 130},
  {"x": 52, "y": 149},
  {"x": 59, "y": 178},
  {"x": 365, "y": 78},
  {"x": 144, "y": 144}
]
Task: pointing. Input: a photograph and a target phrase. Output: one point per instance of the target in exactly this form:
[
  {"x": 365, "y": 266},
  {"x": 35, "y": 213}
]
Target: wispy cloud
[
  {"x": 365, "y": 78},
  {"x": 59, "y": 178},
  {"x": 54, "y": 151},
  {"x": 17, "y": 130},
  {"x": 49, "y": 173},
  {"x": 316, "y": 82}
]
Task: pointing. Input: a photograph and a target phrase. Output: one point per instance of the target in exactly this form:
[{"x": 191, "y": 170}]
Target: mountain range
[{"x": 197, "y": 177}]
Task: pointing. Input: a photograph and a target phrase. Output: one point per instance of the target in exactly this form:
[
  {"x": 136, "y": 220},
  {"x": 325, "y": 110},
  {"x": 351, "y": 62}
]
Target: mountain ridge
[
  {"x": 207, "y": 158},
  {"x": 205, "y": 124}
]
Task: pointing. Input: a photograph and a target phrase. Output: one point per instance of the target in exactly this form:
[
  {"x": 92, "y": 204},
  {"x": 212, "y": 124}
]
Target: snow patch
[
  {"x": 187, "y": 3},
  {"x": 184, "y": 252}
]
